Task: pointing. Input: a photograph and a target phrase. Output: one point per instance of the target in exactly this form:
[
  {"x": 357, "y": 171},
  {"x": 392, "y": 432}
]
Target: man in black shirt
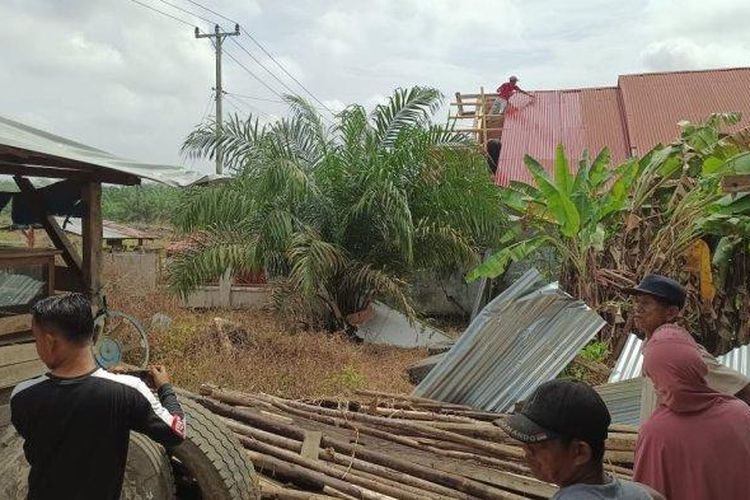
[{"x": 76, "y": 419}]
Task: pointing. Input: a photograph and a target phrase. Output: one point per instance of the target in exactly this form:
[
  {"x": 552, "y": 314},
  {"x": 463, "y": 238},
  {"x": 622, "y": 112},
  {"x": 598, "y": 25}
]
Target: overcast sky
[{"x": 112, "y": 74}]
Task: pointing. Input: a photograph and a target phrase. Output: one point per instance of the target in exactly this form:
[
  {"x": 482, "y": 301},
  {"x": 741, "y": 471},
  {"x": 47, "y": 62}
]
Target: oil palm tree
[{"x": 342, "y": 213}]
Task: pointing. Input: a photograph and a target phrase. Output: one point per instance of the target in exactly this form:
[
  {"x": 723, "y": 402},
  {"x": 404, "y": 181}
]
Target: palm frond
[{"x": 406, "y": 108}]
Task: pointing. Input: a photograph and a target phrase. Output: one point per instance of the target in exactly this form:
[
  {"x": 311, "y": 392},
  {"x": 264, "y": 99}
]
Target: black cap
[
  {"x": 560, "y": 409},
  {"x": 662, "y": 288}
]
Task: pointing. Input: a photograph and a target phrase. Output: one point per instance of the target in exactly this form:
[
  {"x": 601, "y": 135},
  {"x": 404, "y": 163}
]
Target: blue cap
[{"x": 661, "y": 287}]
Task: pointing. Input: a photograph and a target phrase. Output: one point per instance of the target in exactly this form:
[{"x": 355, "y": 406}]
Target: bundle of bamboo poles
[{"x": 384, "y": 446}]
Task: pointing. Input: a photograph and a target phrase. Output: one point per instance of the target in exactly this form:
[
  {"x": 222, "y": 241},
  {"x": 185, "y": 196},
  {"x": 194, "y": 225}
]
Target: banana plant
[{"x": 566, "y": 211}]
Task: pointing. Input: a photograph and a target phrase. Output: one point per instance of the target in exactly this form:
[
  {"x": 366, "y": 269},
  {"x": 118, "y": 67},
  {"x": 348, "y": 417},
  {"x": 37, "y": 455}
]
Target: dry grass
[{"x": 267, "y": 357}]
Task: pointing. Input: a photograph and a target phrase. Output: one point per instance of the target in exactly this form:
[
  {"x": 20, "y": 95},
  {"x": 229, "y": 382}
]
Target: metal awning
[{"x": 30, "y": 152}]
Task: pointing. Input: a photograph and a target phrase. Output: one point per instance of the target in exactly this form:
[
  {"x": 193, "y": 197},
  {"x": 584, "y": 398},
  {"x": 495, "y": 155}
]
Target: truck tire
[
  {"x": 214, "y": 457},
  {"x": 148, "y": 472}
]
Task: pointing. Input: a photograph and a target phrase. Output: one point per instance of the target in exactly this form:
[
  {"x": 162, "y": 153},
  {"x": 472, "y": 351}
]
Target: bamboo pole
[
  {"x": 453, "y": 481},
  {"x": 348, "y": 461},
  {"x": 331, "y": 472},
  {"x": 492, "y": 448},
  {"x": 301, "y": 475}
]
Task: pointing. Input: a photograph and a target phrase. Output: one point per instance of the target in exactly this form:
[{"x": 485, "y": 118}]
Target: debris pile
[{"x": 385, "y": 446}]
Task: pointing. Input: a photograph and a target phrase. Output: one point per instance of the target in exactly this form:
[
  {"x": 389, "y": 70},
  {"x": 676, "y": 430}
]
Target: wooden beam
[
  {"x": 20, "y": 353},
  {"x": 736, "y": 183},
  {"x": 106, "y": 176},
  {"x": 91, "y": 195},
  {"x": 54, "y": 231},
  {"x": 27, "y": 157},
  {"x": 460, "y": 104},
  {"x": 15, "y": 324},
  {"x": 13, "y": 374}
]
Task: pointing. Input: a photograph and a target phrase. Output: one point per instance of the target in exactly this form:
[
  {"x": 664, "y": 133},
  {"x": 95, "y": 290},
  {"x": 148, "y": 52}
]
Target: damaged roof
[
  {"x": 641, "y": 112},
  {"x": 526, "y": 336},
  {"x": 23, "y": 148}
]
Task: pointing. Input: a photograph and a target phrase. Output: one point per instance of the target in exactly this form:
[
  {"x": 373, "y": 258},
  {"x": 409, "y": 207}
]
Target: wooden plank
[
  {"x": 109, "y": 177},
  {"x": 19, "y": 353},
  {"x": 91, "y": 195},
  {"x": 13, "y": 374},
  {"x": 54, "y": 231},
  {"x": 736, "y": 183},
  {"x": 15, "y": 324},
  {"x": 460, "y": 104},
  {"x": 311, "y": 444}
]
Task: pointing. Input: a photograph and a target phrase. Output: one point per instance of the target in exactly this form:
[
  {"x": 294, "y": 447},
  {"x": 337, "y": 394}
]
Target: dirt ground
[{"x": 266, "y": 356}]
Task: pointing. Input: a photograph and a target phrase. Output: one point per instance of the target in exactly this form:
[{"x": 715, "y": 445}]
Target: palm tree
[{"x": 342, "y": 214}]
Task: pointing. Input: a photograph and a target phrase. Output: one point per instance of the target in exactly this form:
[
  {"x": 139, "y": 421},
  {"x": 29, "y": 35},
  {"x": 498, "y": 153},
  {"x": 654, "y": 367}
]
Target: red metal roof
[
  {"x": 578, "y": 119},
  {"x": 655, "y": 102},
  {"x": 632, "y": 118}
]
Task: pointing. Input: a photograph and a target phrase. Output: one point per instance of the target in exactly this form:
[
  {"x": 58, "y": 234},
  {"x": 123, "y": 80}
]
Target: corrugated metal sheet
[
  {"x": 525, "y": 336},
  {"x": 110, "y": 230},
  {"x": 389, "y": 326},
  {"x": 629, "y": 363},
  {"x": 623, "y": 399},
  {"x": 17, "y": 136},
  {"x": 578, "y": 119},
  {"x": 19, "y": 289},
  {"x": 655, "y": 102}
]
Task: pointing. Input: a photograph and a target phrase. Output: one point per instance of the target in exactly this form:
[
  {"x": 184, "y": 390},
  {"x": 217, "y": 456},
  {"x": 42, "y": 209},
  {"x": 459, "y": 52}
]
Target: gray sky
[{"x": 117, "y": 76}]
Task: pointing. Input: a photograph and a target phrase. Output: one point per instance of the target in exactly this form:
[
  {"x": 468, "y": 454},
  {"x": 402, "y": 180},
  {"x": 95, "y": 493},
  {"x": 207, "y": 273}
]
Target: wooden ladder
[{"x": 485, "y": 126}]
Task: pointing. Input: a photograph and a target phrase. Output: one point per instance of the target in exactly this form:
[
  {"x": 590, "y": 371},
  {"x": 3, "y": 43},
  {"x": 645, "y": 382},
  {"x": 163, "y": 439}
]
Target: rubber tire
[
  {"x": 214, "y": 457},
  {"x": 148, "y": 471}
]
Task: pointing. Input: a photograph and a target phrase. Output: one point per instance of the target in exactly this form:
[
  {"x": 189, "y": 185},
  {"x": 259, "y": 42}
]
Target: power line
[
  {"x": 212, "y": 12},
  {"x": 162, "y": 12},
  {"x": 266, "y": 52},
  {"x": 263, "y": 66},
  {"x": 251, "y": 37},
  {"x": 254, "y": 98},
  {"x": 182, "y": 9},
  {"x": 231, "y": 99},
  {"x": 207, "y": 107},
  {"x": 253, "y": 75}
]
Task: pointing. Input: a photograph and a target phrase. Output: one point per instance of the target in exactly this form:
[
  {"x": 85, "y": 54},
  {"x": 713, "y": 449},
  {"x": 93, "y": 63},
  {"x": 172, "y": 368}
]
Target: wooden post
[
  {"x": 91, "y": 231},
  {"x": 483, "y": 118},
  {"x": 460, "y": 104}
]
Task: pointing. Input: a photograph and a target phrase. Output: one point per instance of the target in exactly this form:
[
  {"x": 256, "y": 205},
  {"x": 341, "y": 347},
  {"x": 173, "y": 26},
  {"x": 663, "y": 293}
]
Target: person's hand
[{"x": 159, "y": 376}]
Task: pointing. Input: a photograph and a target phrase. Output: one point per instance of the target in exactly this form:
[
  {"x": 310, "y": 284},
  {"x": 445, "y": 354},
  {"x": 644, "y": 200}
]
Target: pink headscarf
[{"x": 696, "y": 446}]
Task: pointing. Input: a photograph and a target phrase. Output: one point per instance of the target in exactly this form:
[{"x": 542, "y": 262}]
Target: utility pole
[{"x": 219, "y": 38}]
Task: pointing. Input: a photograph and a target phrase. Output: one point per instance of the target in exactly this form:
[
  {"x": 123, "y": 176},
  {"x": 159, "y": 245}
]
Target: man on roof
[
  {"x": 658, "y": 301},
  {"x": 505, "y": 91}
]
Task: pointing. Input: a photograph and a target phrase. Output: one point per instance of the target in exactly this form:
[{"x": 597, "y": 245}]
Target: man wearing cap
[
  {"x": 658, "y": 302},
  {"x": 505, "y": 91},
  {"x": 563, "y": 427}
]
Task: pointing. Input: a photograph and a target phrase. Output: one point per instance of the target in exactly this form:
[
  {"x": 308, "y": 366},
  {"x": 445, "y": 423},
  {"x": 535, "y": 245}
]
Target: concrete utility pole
[{"x": 219, "y": 36}]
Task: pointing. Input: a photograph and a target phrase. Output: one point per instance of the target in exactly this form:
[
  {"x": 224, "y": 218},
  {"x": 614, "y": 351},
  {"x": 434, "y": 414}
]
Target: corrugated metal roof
[
  {"x": 110, "y": 230},
  {"x": 623, "y": 399},
  {"x": 524, "y": 337},
  {"x": 578, "y": 119},
  {"x": 655, "y": 102},
  {"x": 629, "y": 363},
  {"x": 15, "y": 136},
  {"x": 391, "y": 327}
]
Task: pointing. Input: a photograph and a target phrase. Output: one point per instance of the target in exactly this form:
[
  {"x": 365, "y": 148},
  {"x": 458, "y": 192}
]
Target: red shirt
[{"x": 506, "y": 90}]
